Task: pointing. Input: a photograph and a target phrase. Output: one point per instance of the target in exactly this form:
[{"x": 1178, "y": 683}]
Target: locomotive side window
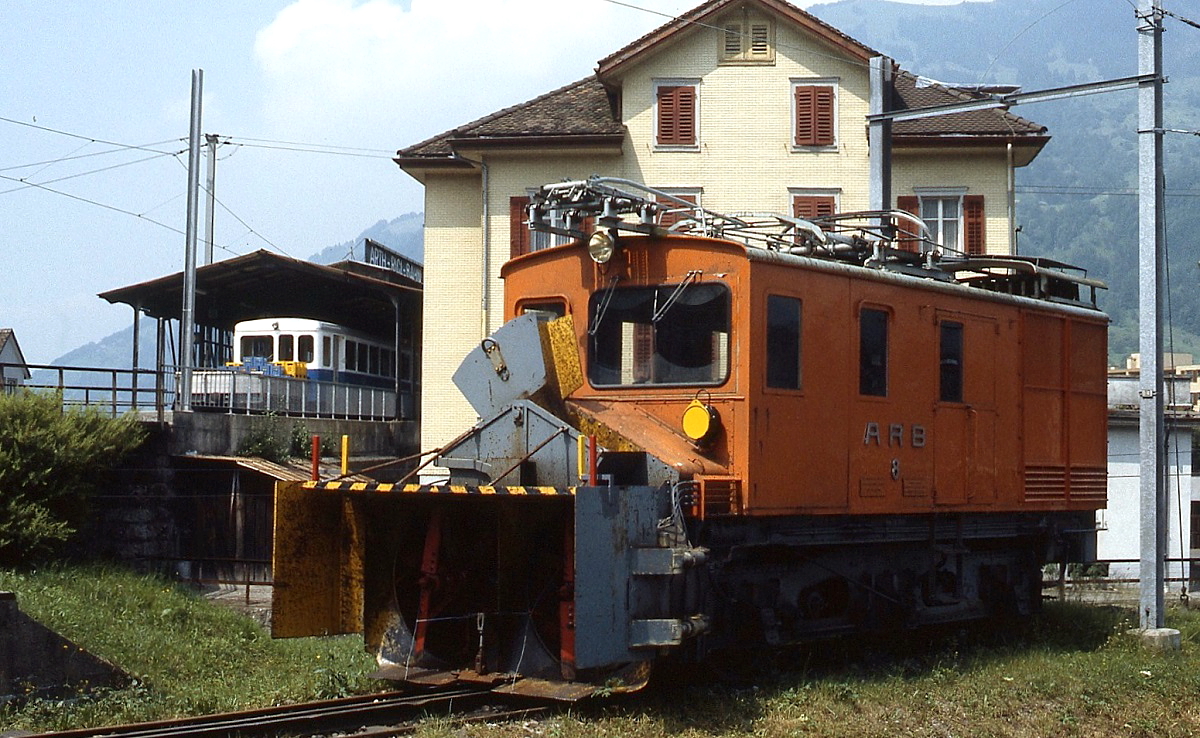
[
  {"x": 257, "y": 347},
  {"x": 950, "y": 381},
  {"x": 669, "y": 334},
  {"x": 873, "y": 352},
  {"x": 783, "y": 342},
  {"x": 286, "y": 347}
]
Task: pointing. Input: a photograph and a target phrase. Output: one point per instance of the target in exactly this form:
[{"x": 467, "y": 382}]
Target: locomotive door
[{"x": 964, "y": 428}]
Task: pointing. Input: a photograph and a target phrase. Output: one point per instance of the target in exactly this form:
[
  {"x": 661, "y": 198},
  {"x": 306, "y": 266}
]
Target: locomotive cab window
[
  {"x": 873, "y": 352},
  {"x": 669, "y": 334},
  {"x": 545, "y": 310},
  {"x": 783, "y": 342},
  {"x": 950, "y": 379}
]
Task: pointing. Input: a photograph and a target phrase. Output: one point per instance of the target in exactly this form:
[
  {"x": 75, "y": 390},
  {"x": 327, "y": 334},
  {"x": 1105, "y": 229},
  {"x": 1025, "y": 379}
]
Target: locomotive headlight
[
  {"x": 700, "y": 422},
  {"x": 601, "y": 246}
]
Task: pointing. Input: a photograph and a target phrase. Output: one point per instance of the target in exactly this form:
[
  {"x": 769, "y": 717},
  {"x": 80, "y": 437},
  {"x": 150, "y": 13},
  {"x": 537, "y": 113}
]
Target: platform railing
[
  {"x": 115, "y": 391},
  {"x": 145, "y": 391},
  {"x": 252, "y": 392}
]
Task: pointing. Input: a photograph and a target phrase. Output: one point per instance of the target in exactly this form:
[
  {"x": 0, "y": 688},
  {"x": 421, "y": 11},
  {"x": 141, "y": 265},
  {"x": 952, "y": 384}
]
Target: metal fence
[
  {"x": 118, "y": 391},
  {"x": 251, "y": 392}
]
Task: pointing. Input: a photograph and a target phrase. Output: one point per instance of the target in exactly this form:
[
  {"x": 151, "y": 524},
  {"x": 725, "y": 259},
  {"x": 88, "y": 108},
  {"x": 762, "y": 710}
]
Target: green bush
[
  {"x": 50, "y": 461},
  {"x": 266, "y": 439}
]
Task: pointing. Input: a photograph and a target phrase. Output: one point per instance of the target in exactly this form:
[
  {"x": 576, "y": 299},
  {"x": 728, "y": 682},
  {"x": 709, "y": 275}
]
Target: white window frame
[
  {"x": 832, "y": 82},
  {"x": 941, "y": 195},
  {"x": 693, "y": 82}
]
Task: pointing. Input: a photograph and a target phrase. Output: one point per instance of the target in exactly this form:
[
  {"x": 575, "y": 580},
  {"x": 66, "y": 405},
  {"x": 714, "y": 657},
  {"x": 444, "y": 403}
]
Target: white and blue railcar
[{"x": 327, "y": 351}]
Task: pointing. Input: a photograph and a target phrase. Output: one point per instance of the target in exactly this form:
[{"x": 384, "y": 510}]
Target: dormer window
[{"x": 747, "y": 40}]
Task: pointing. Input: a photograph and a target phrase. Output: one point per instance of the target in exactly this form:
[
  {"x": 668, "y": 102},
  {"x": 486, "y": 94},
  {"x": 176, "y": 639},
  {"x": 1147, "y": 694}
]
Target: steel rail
[{"x": 312, "y": 718}]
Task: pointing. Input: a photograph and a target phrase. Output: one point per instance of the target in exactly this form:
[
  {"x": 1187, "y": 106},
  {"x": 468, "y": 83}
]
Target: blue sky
[{"x": 84, "y": 81}]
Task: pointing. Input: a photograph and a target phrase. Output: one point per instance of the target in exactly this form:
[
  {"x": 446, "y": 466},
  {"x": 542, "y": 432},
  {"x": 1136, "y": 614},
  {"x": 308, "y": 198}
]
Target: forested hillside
[{"x": 1077, "y": 201}]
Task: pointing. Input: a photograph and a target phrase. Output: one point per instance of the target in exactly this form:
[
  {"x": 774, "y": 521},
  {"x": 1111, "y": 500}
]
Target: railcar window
[
  {"x": 873, "y": 352},
  {"x": 258, "y": 347},
  {"x": 326, "y": 350},
  {"x": 364, "y": 357},
  {"x": 304, "y": 349},
  {"x": 351, "y": 356},
  {"x": 373, "y": 359},
  {"x": 951, "y": 362},
  {"x": 783, "y": 342},
  {"x": 669, "y": 334},
  {"x": 286, "y": 347}
]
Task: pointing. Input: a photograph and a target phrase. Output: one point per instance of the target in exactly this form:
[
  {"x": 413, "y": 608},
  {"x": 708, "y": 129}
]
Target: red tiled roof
[
  {"x": 580, "y": 109},
  {"x": 914, "y": 93}
]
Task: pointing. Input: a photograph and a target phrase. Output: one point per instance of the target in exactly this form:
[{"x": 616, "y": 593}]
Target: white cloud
[{"x": 379, "y": 69}]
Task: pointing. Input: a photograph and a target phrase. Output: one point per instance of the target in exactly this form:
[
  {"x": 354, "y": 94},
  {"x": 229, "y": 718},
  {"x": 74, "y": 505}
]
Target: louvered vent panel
[
  {"x": 760, "y": 39},
  {"x": 720, "y": 496},
  {"x": 1089, "y": 483},
  {"x": 1045, "y": 482},
  {"x": 733, "y": 40}
]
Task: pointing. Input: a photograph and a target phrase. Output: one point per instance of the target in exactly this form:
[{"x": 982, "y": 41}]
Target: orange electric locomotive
[{"x": 743, "y": 430}]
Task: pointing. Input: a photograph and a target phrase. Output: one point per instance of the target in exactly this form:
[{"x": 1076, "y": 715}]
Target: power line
[
  {"x": 305, "y": 148},
  {"x": 386, "y": 152},
  {"x": 27, "y": 183},
  {"x": 74, "y": 157},
  {"x": 1180, "y": 18},
  {"x": 76, "y": 135},
  {"x": 1085, "y": 190},
  {"x": 94, "y": 202}
]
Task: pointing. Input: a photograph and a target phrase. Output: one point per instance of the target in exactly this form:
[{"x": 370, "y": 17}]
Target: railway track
[{"x": 377, "y": 715}]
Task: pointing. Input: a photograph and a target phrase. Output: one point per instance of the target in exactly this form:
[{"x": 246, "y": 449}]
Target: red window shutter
[
  {"x": 909, "y": 204},
  {"x": 643, "y": 352},
  {"x": 666, "y": 220},
  {"x": 812, "y": 206},
  {"x": 677, "y": 115},
  {"x": 518, "y": 231},
  {"x": 814, "y": 115},
  {"x": 974, "y": 225}
]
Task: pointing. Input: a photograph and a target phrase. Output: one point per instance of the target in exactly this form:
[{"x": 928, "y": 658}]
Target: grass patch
[
  {"x": 187, "y": 655},
  {"x": 1072, "y": 671}
]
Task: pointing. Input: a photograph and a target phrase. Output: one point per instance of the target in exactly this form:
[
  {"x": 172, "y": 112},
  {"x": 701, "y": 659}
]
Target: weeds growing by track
[{"x": 1072, "y": 671}]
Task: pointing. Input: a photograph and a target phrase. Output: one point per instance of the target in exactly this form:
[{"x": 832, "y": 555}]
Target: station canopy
[{"x": 265, "y": 285}]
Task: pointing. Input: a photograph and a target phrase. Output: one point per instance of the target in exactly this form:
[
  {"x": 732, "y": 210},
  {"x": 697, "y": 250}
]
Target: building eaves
[
  {"x": 579, "y": 112},
  {"x": 701, "y": 17}
]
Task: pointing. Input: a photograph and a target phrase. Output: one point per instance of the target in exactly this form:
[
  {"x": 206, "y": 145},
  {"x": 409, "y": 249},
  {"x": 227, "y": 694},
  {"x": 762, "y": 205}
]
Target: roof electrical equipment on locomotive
[{"x": 742, "y": 431}]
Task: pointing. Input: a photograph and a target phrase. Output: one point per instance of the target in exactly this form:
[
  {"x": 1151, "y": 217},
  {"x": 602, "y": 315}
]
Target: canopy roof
[{"x": 264, "y": 285}]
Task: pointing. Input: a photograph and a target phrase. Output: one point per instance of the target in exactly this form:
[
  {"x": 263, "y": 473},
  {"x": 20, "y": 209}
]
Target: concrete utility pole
[
  {"x": 879, "y": 134},
  {"x": 1151, "y": 240},
  {"x": 187, "y": 317},
  {"x": 212, "y": 140}
]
